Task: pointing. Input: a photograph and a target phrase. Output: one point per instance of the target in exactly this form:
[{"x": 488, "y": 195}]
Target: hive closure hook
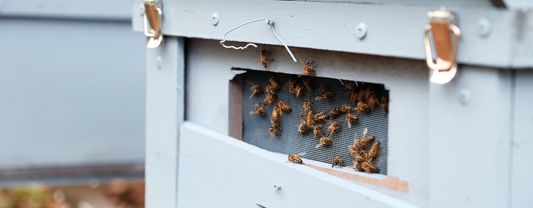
[
  {"x": 152, "y": 23},
  {"x": 267, "y": 21},
  {"x": 445, "y": 65}
]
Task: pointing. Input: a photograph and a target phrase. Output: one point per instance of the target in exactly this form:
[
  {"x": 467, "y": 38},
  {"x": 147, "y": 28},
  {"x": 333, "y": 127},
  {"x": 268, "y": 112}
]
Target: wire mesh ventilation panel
[{"x": 255, "y": 127}]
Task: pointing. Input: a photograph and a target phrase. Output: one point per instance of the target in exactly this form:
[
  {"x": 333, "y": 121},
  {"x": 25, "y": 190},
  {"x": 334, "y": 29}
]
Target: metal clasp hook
[
  {"x": 441, "y": 23},
  {"x": 152, "y": 15}
]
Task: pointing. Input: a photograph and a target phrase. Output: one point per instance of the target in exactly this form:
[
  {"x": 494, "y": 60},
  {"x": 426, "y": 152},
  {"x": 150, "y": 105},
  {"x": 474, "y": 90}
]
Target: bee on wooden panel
[
  {"x": 309, "y": 69},
  {"x": 338, "y": 161},
  {"x": 295, "y": 158},
  {"x": 324, "y": 141},
  {"x": 325, "y": 94},
  {"x": 258, "y": 110},
  {"x": 264, "y": 56},
  {"x": 256, "y": 88},
  {"x": 334, "y": 126},
  {"x": 334, "y": 112}
]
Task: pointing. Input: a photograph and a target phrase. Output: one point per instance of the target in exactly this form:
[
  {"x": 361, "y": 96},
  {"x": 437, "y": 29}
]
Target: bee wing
[
  {"x": 349, "y": 124},
  {"x": 258, "y": 58},
  {"x": 364, "y": 132},
  {"x": 319, "y": 145},
  {"x": 301, "y": 154},
  {"x": 271, "y": 60},
  {"x": 355, "y": 138},
  {"x": 267, "y": 135},
  {"x": 319, "y": 98},
  {"x": 253, "y": 113}
]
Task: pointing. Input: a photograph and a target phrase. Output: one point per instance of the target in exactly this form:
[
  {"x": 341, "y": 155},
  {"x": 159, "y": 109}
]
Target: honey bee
[
  {"x": 269, "y": 99},
  {"x": 274, "y": 83},
  {"x": 334, "y": 126},
  {"x": 274, "y": 130},
  {"x": 283, "y": 105},
  {"x": 307, "y": 84},
  {"x": 292, "y": 85},
  {"x": 317, "y": 130},
  {"x": 255, "y": 89},
  {"x": 355, "y": 147},
  {"x": 324, "y": 141},
  {"x": 258, "y": 110},
  {"x": 348, "y": 109},
  {"x": 276, "y": 115},
  {"x": 270, "y": 90},
  {"x": 310, "y": 118},
  {"x": 308, "y": 68},
  {"x": 353, "y": 96},
  {"x": 350, "y": 85},
  {"x": 352, "y": 151},
  {"x": 334, "y": 112},
  {"x": 296, "y": 158},
  {"x": 264, "y": 57},
  {"x": 369, "y": 167},
  {"x": 361, "y": 95},
  {"x": 298, "y": 89},
  {"x": 363, "y": 107},
  {"x": 366, "y": 139},
  {"x": 325, "y": 94},
  {"x": 302, "y": 127},
  {"x": 307, "y": 106},
  {"x": 350, "y": 118},
  {"x": 361, "y": 157},
  {"x": 384, "y": 104},
  {"x": 372, "y": 102},
  {"x": 338, "y": 161},
  {"x": 322, "y": 116},
  {"x": 369, "y": 92},
  {"x": 374, "y": 150},
  {"x": 358, "y": 166}
]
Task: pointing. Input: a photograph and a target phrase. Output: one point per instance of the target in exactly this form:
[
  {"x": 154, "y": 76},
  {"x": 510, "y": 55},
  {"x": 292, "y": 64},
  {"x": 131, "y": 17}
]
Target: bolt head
[
  {"x": 215, "y": 18},
  {"x": 361, "y": 30},
  {"x": 484, "y": 27}
]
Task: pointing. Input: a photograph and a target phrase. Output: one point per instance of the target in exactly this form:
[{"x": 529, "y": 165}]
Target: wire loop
[{"x": 267, "y": 21}]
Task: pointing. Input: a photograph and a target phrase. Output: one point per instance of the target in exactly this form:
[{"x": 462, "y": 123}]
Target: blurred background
[{"x": 72, "y": 92}]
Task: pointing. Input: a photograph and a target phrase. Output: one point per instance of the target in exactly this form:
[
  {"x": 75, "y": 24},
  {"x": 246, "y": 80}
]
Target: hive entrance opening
[{"x": 290, "y": 140}]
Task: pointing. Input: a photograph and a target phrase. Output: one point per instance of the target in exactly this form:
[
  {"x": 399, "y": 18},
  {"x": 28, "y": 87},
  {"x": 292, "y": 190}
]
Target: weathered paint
[
  {"x": 469, "y": 139},
  {"x": 164, "y": 115},
  {"x": 207, "y": 100},
  {"x": 241, "y": 175}
]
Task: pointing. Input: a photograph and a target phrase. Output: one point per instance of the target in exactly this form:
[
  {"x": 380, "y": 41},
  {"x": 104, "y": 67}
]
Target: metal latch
[
  {"x": 152, "y": 16},
  {"x": 441, "y": 23}
]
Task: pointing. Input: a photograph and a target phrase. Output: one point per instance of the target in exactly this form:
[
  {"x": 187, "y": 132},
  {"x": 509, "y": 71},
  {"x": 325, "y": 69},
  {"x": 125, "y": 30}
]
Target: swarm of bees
[
  {"x": 364, "y": 150},
  {"x": 364, "y": 97}
]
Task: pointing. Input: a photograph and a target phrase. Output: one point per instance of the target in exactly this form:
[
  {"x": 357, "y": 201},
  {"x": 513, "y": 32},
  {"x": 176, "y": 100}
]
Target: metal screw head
[
  {"x": 214, "y": 18},
  {"x": 484, "y": 27},
  {"x": 141, "y": 8},
  {"x": 361, "y": 30},
  {"x": 159, "y": 62},
  {"x": 464, "y": 97},
  {"x": 277, "y": 187}
]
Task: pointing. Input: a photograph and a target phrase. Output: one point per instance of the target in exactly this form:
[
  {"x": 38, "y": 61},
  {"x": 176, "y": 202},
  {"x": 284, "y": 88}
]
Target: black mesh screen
[{"x": 255, "y": 127}]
